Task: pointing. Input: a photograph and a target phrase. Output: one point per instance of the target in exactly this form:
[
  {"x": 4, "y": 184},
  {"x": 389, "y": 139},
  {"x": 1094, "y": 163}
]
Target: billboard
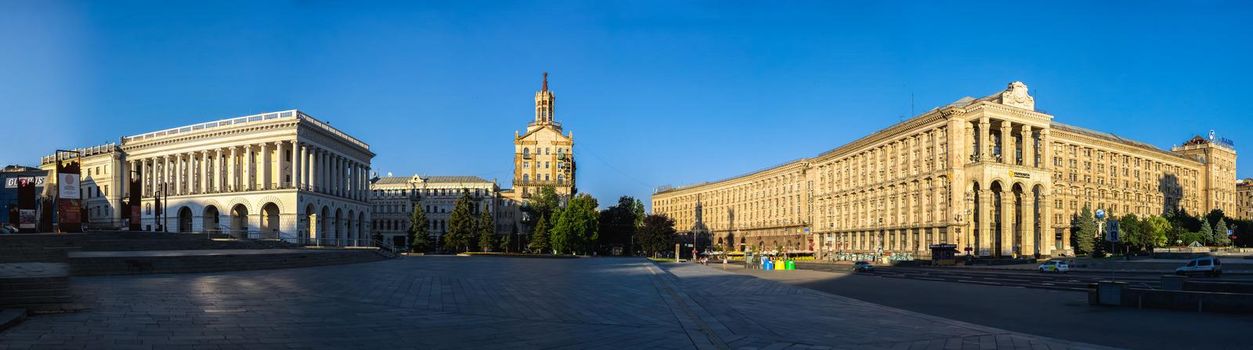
[{"x": 68, "y": 186}]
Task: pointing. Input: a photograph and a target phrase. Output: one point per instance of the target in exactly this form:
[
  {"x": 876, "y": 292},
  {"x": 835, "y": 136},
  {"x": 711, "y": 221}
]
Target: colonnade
[
  {"x": 1026, "y": 144},
  {"x": 275, "y": 165}
]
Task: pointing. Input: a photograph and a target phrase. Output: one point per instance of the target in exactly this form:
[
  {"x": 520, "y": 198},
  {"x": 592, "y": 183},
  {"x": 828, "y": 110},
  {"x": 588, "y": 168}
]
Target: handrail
[{"x": 386, "y": 248}]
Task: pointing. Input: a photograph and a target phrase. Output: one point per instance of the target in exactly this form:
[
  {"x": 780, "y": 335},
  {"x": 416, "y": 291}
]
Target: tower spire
[{"x": 545, "y": 82}]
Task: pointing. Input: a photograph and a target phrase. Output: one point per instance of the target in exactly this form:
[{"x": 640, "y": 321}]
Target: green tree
[
  {"x": 656, "y": 235},
  {"x": 1220, "y": 233},
  {"x": 506, "y": 242},
  {"x": 539, "y": 238},
  {"x": 487, "y": 231},
  {"x": 576, "y": 227},
  {"x": 1131, "y": 232},
  {"x": 1155, "y": 230},
  {"x": 419, "y": 235},
  {"x": 461, "y": 225},
  {"x": 1083, "y": 228},
  {"x": 1206, "y": 234},
  {"x": 618, "y": 224}
]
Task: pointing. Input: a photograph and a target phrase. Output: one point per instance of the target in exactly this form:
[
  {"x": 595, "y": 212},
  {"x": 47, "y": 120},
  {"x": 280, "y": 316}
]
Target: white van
[{"x": 1210, "y": 266}]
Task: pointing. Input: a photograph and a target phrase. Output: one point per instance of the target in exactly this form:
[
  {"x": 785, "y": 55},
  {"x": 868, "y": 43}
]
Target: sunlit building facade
[
  {"x": 992, "y": 175},
  {"x": 279, "y": 175}
]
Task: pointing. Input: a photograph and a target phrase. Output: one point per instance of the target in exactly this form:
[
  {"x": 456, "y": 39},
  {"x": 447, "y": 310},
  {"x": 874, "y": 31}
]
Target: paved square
[{"x": 481, "y": 302}]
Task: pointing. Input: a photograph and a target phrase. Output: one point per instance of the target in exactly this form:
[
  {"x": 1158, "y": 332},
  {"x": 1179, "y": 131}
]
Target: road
[
  {"x": 1073, "y": 281},
  {"x": 1053, "y": 313}
]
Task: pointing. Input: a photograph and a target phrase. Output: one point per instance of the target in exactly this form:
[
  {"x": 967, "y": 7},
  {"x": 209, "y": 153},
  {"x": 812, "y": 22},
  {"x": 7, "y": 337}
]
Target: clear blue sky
[{"x": 666, "y": 92}]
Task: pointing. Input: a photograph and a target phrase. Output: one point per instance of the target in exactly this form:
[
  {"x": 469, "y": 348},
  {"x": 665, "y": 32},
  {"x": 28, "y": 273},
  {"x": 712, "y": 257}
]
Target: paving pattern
[{"x": 487, "y": 302}]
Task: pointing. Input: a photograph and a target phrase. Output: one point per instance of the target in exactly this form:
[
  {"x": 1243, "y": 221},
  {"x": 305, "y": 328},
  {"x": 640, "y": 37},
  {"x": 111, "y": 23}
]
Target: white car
[
  {"x": 1210, "y": 266},
  {"x": 1057, "y": 266}
]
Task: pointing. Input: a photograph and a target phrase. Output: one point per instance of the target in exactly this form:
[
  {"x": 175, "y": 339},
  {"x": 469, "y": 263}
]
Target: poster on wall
[
  {"x": 68, "y": 186},
  {"x": 27, "y": 220}
]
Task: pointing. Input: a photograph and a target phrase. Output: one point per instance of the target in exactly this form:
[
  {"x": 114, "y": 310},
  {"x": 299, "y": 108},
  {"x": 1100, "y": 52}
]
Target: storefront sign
[
  {"x": 13, "y": 182},
  {"x": 1020, "y": 175}
]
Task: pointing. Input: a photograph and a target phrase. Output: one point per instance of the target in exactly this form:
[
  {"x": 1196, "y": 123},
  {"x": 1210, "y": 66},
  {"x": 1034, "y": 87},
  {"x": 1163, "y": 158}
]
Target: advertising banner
[
  {"x": 70, "y": 213},
  {"x": 134, "y": 220},
  {"x": 27, "y": 220},
  {"x": 68, "y": 186}
]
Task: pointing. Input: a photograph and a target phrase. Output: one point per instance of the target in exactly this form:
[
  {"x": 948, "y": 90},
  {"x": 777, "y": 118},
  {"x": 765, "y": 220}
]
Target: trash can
[
  {"x": 791, "y": 264},
  {"x": 769, "y": 265}
]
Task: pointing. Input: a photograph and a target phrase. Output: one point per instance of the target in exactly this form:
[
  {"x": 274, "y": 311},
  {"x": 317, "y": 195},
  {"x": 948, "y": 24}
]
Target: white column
[
  {"x": 314, "y": 163},
  {"x": 178, "y": 174},
  {"x": 338, "y": 177},
  {"x": 232, "y": 182},
  {"x": 218, "y": 169},
  {"x": 297, "y": 157},
  {"x": 204, "y": 171},
  {"x": 249, "y": 180}
]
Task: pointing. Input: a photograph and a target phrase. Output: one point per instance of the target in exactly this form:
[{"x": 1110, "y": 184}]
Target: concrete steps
[
  {"x": 34, "y": 286},
  {"x": 129, "y": 263}
]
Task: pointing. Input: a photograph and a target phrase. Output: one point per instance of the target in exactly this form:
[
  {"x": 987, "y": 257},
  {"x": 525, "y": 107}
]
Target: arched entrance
[
  {"x": 1018, "y": 231},
  {"x": 361, "y": 228},
  {"x": 210, "y": 219},
  {"x": 184, "y": 220},
  {"x": 269, "y": 220},
  {"x": 239, "y": 221},
  {"x": 339, "y": 226},
  {"x": 309, "y": 221},
  {"x": 348, "y": 228},
  {"x": 997, "y": 208},
  {"x": 324, "y": 227},
  {"x": 975, "y": 241}
]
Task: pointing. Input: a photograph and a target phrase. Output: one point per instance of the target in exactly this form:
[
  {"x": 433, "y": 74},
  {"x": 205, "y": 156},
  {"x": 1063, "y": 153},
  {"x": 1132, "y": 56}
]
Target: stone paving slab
[
  {"x": 760, "y": 313},
  {"x": 467, "y": 302}
]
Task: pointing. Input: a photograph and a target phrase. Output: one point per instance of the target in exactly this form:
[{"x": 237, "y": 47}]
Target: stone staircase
[
  {"x": 38, "y": 287},
  {"x": 35, "y": 269},
  {"x": 127, "y": 263}
]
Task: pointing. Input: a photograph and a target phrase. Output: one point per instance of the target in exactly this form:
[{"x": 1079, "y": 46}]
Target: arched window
[
  {"x": 561, "y": 179},
  {"x": 526, "y": 152}
]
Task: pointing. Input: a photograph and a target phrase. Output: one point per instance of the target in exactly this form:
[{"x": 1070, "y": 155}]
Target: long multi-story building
[
  {"x": 281, "y": 174},
  {"x": 393, "y": 199},
  {"x": 993, "y": 175},
  {"x": 1244, "y": 199}
]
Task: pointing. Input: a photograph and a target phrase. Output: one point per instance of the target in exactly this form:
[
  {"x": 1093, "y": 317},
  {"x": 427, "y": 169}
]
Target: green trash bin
[{"x": 791, "y": 264}]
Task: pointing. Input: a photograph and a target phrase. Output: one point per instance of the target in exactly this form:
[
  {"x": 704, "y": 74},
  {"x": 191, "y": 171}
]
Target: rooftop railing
[
  {"x": 255, "y": 118},
  {"x": 85, "y": 152}
]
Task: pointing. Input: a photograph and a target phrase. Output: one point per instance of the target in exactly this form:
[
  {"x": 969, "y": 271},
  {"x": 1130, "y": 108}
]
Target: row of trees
[
  {"x": 466, "y": 231},
  {"x": 572, "y": 227},
  {"x": 1143, "y": 234}
]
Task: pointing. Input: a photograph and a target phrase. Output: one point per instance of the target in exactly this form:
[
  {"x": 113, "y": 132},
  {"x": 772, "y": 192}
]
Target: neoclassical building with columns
[
  {"x": 992, "y": 175},
  {"x": 280, "y": 175}
]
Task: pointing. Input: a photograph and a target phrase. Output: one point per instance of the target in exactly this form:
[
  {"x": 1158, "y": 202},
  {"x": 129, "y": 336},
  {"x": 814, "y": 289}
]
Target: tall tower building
[
  {"x": 1218, "y": 172},
  {"x": 543, "y": 156}
]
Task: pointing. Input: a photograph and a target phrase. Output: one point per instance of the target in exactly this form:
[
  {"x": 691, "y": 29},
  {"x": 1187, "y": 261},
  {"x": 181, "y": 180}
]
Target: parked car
[
  {"x": 6, "y": 228},
  {"x": 1210, "y": 266},
  {"x": 863, "y": 266},
  {"x": 1056, "y": 266}
]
